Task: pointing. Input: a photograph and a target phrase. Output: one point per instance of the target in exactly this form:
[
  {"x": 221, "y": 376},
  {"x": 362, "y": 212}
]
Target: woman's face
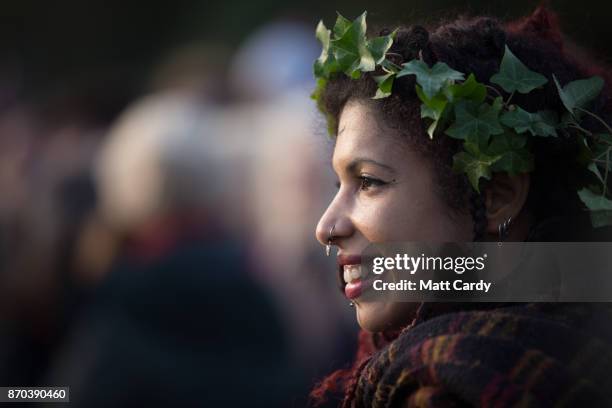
[{"x": 386, "y": 193}]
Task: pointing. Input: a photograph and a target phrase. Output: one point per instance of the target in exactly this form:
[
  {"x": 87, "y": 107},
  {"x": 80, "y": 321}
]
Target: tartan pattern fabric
[{"x": 531, "y": 355}]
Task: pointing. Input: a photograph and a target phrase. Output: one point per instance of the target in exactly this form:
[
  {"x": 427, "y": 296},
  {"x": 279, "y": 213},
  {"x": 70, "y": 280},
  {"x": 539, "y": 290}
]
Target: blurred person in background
[
  {"x": 286, "y": 193},
  {"x": 178, "y": 320},
  {"x": 47, "y": 198}
]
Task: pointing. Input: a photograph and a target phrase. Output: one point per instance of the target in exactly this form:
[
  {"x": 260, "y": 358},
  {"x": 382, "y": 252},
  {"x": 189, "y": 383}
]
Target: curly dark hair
[{"x": 476, "y": 45}]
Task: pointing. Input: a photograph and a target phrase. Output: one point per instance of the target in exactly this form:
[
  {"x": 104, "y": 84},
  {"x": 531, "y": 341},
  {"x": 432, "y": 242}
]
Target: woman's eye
[{"x": 368, "y": 182}]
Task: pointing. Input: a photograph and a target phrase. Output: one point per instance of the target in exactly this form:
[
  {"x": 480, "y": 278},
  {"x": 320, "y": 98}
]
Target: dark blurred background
[
  {"x": 162, "y": 170},
  {"x": 107, "y": 49}
]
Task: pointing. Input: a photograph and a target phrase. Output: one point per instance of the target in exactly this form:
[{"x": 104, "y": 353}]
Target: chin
[{"x": 379, "y": 316}]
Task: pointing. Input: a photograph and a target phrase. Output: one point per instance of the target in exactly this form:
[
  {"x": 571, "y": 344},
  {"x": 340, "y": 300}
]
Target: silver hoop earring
[
  {"x": 329, "y": 240},
  {"x": 502, "y": 229}
]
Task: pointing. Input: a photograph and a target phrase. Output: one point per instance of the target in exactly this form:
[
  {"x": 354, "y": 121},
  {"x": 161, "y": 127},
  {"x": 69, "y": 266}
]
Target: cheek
[{"x": 402, "y": 215}]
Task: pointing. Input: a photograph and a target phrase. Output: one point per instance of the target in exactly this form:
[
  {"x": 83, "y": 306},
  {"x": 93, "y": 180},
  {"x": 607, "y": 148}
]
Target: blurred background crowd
[{"x": 162, "y": 170}]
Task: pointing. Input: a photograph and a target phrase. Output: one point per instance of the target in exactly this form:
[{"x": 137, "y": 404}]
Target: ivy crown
[{"x": 495, "y": 132}]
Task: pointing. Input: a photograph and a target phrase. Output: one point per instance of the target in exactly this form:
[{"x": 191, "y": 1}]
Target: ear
[{"x": 505, "y": 197}]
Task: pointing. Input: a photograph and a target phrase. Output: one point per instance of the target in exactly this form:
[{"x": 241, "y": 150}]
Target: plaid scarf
[{"x": 530, "y": 355}]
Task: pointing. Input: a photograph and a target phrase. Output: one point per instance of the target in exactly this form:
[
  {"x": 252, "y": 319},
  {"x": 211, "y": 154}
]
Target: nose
[{"x": 334, "y": 225}]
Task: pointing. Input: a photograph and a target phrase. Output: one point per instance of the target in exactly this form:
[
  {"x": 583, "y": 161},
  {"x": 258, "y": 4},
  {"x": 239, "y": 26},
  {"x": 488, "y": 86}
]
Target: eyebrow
[{"x": 356, "y": 162}]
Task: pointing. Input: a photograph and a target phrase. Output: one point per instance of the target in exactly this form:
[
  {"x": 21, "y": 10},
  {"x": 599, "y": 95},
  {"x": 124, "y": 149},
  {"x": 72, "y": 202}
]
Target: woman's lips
[
  {"x": 353, "y": 290},
  {"x": 349, "y": 259}
]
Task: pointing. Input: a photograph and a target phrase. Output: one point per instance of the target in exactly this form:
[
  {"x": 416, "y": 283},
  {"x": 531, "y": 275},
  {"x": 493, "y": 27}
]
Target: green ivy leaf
[
  {"x": 476, "y": 167},
  {"x": 480, "y": 120},
  {"x": 592, "y": 167},
  {"x": 498, "y": 104},
  {"x": 577, "y": 94},
  {"x": 379, "y": 46},
  {"x": 510, "y": 149},
  {"x": 505, "y": 142},
  {"x": 594, "y": 201},
  {"x": 522, "y": 121},
  {"x": 351, "y": 51},
  {"x": 342, "y": 25},
  {"x": 514, "y": 162},
  {"x": 431, "y": 108},
  {"x": 476, "y": 145},
  {"x": 515, "y": 158},
  {"x": 385, "y": 83},
  {"x": 600, "y": 207},
  {"x": 430, "y": 79},
  {"x": 602, "y": 152},
  {"x": 320, "y": 65},
  {"x": 514, "y": 76},
  {"x": 468, "y": 89}
]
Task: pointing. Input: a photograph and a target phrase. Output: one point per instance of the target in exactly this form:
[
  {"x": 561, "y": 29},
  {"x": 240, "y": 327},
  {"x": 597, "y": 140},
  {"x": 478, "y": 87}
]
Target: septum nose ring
[{"x": 329, "y": 240}]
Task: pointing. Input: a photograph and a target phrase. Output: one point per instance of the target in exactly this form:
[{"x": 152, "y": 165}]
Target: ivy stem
[
  {"x": 507, "y": 103},
  {"x": 391, "y": 64},
  {"x": 575, "y": 125},
  {"x": 599, "y": 159},
  {"x": 395, "y": 53},
  {"x": 495, "y": 90},
  {"x": 603, "y": 122}
]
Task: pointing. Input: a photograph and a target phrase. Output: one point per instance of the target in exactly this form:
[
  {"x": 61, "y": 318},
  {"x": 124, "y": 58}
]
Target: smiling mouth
[
  {"x": 349, "y": 261},
  {"x": 351, "y": 275}
]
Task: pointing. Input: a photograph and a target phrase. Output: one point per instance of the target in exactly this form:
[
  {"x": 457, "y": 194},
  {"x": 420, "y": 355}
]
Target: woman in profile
[{"x": 397, "y": 184}]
